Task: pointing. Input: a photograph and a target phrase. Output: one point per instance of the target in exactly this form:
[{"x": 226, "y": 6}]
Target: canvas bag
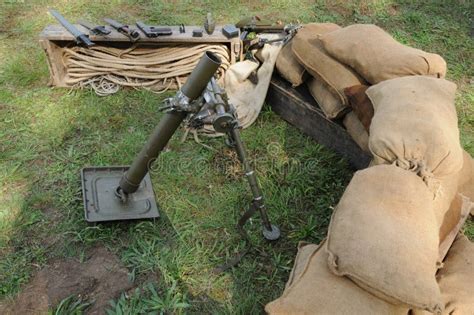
[
  {"x": 456, "y": 279},
  {"x": 356, "y": 130},
  {"x": 384, "y": 236},
  {"x": 415, "y": 126},
  {"x": 288, "y": 66},
  {"x": 311, "y": 55},
  {"x": 329, "y": 103},
  {"x": 377, "y": 56},
  {"x": 315, "y": 290},
  {"x": 247, "y": 97},
  {"x": 466, "y": 178}
]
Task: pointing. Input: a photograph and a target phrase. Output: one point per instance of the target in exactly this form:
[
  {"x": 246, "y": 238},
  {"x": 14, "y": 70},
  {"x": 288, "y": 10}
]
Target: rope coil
[{"x": 156, "y": 68}]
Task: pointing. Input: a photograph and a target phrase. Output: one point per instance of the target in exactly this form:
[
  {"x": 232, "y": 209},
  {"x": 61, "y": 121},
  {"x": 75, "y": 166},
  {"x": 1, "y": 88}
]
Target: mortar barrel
[
  {"x": 159, "y": 138},
  {"x": 193, "y": 88},
  {"x": 198, "y": 79}
]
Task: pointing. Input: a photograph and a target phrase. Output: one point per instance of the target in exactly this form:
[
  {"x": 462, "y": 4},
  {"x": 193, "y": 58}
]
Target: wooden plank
[
  {"x": 299, "y": 109},
  {"x": 58, "y": 32}
]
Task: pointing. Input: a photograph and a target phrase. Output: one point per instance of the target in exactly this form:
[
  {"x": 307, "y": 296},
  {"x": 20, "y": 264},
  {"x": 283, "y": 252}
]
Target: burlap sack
[
  {"x": 451, "y": 217},
  {"x": 356, "y": 130},
  {"x": 456, "y": 279},
  {"x": 315, "y": 290},
  {"x": 377, "y": 57},
  {"x": 415, "y": 126},
  {"x": 312, "y": 56},
  {"x": 288, "y": 66},
  {"x": 330, "y": 104},
  {"x": 454, "y": 190},
  {"x": 305, "y": 250},
  {"x": 384, "y": 236},
  {"x": 466, "y": 178},
  {"x": 360, "y": 104}
]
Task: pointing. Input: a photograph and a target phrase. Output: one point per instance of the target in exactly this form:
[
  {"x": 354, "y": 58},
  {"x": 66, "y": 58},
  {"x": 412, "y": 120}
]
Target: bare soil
[{"x": 99, "y": 279}]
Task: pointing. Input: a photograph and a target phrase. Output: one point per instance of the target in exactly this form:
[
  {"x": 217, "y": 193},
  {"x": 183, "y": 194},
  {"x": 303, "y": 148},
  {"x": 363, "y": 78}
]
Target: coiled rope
[{"x": 158, "y": 68}]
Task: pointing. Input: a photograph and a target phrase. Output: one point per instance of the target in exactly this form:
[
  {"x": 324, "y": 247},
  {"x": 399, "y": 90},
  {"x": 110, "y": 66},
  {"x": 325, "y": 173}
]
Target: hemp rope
[{"x": 156, "y": 68}]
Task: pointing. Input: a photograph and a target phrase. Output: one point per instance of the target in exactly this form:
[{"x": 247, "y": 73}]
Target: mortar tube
[{"x": 192, "y": 89}]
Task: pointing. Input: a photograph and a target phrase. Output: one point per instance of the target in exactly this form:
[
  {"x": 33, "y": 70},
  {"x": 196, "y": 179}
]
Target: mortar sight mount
[{"x": 126, "y": 193}]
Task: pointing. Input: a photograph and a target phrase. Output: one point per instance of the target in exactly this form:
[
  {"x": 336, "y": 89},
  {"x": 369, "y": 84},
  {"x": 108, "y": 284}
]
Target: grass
[{"x": 47, "y": 135}]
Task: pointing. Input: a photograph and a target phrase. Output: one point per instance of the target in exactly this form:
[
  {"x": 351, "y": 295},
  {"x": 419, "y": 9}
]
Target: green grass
[{"x": 47, "y": 135}]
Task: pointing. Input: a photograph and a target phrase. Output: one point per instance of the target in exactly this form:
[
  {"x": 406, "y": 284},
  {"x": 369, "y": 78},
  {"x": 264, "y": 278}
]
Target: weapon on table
[
  {"x": 94, "y": 29},
  {"x": 124, "y": 29},
  {"x": 209, "y": 24},
  {"x": 257, "y": 25},
  {"x": 80, "y": 37},
  {"x": 153, "y": 31},
  {"x": 124, "y": 193}
]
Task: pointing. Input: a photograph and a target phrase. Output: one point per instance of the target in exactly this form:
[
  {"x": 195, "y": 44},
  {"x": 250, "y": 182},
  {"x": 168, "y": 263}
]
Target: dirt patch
[{"x": 99, "y": 279}]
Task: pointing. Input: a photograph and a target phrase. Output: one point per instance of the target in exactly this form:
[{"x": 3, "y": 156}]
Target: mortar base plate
[{"x": 101, "y": 204}]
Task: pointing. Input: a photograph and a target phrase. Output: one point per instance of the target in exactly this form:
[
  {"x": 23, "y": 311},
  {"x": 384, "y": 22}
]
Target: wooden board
[
  {"x": 298, "y": 108},
  {"x": 58, "y": 32}
]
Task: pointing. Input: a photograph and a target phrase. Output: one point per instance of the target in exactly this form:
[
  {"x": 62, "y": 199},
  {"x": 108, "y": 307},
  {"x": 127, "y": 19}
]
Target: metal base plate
[{"x": 101, "y": 204}]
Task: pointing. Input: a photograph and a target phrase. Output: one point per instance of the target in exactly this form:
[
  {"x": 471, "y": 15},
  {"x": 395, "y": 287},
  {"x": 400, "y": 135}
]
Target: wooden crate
[
  {"x": 54, "y": 37},
  {"x": 299, "y": 108}
]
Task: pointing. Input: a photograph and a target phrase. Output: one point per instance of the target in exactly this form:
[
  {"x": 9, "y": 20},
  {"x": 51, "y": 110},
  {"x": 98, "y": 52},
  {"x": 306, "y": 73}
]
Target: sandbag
[
  {"x": 466, "y": 178},
  {"x": 315, "y": 290},
  {"x": 384, "y": 236},
  {"x": 451, "y": 217},
  {"x": 330, "y": 104},
  {"x": 415, "y": 126},
  {"x": 356, "y": 130},
  {"x": 288, "y": 66},
  {"x": 305, "y": 250},
  {"x": 377, "y": 56},
  {"x": 311, "y": 55},
  {"x": 456, "y": 279},
  {"x": 360, "y": 104}
]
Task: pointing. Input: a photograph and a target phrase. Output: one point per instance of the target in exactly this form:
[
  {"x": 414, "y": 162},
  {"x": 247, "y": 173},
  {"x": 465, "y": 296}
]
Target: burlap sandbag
[
  {"x": 466, "y": 178},
  {"x": 330, "y": 104},
  {"x": 384, "y": 236},
  {"x": 456, "y": 279},
  {"x": 288, "y": 66},
  {"x": 312, "y": 56},
  {"x": 377, "y": 57},
  {"x": 360, "y": 104},
  {"x": 315, "y": 290},
  {"x": 356, "y": 130},
  {"x": 415, "y": 126},
  {"x": 454, "y": 189},
  {"x": 305, "y": 250},
  {"x": 451, "y": 217}
]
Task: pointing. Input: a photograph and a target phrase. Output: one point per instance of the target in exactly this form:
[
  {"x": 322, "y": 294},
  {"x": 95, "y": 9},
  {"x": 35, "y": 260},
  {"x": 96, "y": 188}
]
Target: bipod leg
[{"x": 270, "y": 232}]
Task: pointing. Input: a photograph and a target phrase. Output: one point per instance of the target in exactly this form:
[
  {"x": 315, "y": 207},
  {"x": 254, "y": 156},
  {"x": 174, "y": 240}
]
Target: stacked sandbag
[
  {"x": 288, "y": 66},
  {"x": 313, "y": 289},
  {"x": 456, "y": 279},
  {"x": 383, "y": 235},
  {"x": 377, "y": 56},
  {"x": 415, "y": 127},
  {"x": 466, "y": 178},
  {"x": 329, "y": 76}
]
